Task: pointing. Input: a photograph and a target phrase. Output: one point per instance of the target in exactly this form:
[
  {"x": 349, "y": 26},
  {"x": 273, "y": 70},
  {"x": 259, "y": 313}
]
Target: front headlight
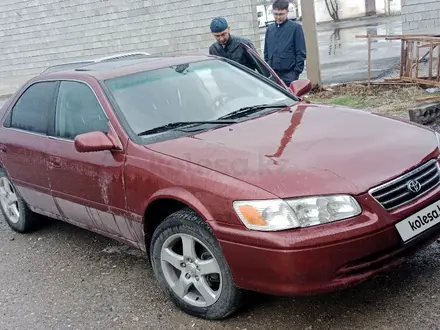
[{"x": 278, "y": 214}]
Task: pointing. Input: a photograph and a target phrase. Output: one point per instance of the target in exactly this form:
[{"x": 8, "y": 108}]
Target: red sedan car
[{"x": 227, "y": 180}]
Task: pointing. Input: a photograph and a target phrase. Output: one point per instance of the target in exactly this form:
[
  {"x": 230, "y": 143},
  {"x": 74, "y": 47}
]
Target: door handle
[{"x": 54, "y": 161}]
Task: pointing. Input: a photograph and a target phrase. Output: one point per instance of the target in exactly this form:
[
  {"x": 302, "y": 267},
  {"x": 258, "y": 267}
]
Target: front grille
[{"x": 408, "y": 187}]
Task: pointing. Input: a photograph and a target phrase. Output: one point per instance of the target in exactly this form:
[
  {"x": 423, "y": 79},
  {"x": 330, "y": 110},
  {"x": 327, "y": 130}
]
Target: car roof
[{"x": 112, "y": 69}]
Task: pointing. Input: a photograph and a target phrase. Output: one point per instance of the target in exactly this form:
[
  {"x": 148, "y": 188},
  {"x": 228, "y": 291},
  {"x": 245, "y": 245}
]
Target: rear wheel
[
  {"x": 190, "y": 267},
  {"x": 14, "y": 209}
]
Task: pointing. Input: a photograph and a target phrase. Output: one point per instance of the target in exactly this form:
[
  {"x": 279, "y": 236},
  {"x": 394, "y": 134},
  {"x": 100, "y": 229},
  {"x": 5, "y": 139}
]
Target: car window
[
  {"x": 78, "y": 111},
  {"x": 262, "y": 69},
  {"x": 31, "y": 111},
  {"x": 197, "y": 91}
]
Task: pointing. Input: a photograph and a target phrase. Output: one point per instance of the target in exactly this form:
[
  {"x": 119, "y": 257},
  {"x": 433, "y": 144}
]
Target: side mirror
[
  {"x": 92, "y": 142},
  {"x": 301, "y": 87}
]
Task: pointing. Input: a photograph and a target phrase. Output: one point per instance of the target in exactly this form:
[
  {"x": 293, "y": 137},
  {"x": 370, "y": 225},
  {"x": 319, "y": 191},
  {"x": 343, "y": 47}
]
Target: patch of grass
[{"x": 389, "y": 99}]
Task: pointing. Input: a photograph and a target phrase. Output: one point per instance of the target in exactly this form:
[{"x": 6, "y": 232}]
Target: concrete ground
[{"x": 344, "y": 58}]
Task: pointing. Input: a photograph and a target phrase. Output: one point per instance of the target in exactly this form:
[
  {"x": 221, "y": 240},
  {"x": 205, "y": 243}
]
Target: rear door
[
  {"x": 263, "y": 68},
  {"x": 88, "y": 187},
  {"x": 23, "y": 144}
]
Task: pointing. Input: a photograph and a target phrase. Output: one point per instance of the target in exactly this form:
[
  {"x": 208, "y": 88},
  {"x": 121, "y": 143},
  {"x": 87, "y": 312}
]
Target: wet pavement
[{"x": 344, "y": 58}]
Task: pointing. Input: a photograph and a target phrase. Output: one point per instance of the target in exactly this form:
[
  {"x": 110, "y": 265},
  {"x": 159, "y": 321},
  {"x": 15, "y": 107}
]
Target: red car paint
[{"x": 309, "y": 149}]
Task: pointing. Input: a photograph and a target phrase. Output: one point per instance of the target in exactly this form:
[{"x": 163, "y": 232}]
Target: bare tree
[{"x": 333, "y": 9}]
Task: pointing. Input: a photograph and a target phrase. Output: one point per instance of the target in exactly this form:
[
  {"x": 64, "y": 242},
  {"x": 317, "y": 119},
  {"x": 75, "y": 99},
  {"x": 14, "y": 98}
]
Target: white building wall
[
  {"x": 35, "y": 34},
  {"x": 421, "y": 16}
]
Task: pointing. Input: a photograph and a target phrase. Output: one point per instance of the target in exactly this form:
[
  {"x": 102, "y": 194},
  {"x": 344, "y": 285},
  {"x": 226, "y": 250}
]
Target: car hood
[{"x": 312, "y": 149}]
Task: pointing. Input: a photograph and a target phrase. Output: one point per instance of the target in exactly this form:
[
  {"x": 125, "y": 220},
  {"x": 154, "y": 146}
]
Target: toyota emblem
[{"x": 414, "y": 186}]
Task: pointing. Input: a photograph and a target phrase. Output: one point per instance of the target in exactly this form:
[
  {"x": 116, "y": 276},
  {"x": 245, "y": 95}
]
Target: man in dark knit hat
[{"x": 229, "y": 46}]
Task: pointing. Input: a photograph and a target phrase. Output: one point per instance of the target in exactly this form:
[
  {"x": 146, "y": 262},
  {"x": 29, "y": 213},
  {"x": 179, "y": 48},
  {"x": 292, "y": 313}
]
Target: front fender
[{"x": 184, "y": 196}]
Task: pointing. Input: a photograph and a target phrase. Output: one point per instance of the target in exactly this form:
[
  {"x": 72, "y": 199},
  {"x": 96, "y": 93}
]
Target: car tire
[
  {"x": 14, "y": 209},
  {"x": 224, "y": 298}
]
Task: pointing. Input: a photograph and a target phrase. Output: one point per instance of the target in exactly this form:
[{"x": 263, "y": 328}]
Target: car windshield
[{"x": 197, "y": 91}]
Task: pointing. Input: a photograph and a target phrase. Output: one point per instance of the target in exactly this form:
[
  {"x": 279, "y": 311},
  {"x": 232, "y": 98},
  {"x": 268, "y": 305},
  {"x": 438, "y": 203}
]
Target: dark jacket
[
  {"x": 285, "y": 49},
  {"x": 234, "y": 51}
]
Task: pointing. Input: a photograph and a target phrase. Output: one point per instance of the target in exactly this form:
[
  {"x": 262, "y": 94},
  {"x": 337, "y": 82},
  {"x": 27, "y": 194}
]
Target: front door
[
  {"x": 87, "y": 187},
  {"x": 23, "y": 146},
  {"x": 263, "y": 68}
]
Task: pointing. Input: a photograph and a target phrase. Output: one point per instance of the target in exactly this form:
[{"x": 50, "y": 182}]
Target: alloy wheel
[
  {"x": 191, "y": 270},
  {"x": 9, "y": 200}
]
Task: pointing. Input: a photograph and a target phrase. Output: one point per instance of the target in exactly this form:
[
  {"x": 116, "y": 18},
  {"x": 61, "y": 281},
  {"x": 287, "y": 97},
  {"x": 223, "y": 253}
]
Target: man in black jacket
[
  {"x": 228, "y": 45},
  {"x": 284, "y": 45}
]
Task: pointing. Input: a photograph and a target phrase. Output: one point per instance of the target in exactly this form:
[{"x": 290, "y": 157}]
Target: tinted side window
[
  {"x": 78, "y": 111},
  {"x": 31, "y": 111}
]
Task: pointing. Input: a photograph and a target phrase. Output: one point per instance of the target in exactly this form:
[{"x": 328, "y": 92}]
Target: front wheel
[{"x": 190, "y": 267}]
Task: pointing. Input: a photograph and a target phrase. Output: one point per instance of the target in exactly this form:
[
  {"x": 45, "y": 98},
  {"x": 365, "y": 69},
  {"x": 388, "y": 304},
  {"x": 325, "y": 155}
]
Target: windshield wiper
[
  {"x": 179, "y": 124},
  {"x": 249, "y": 110}
]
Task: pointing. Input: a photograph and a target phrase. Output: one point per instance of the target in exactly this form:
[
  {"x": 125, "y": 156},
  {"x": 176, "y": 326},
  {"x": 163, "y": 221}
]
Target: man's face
[
  {"x": 222, "y": 37},
  {"x": 280, "y": 15}
]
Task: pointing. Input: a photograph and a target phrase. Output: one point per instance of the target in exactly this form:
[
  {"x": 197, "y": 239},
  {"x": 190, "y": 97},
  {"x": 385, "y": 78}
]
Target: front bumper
[{"x": 322, "y": 258}]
